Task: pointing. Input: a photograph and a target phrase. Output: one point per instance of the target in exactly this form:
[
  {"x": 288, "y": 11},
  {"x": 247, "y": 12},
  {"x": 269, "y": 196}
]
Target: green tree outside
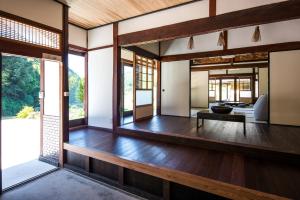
[{"x": 20, "y": 84}]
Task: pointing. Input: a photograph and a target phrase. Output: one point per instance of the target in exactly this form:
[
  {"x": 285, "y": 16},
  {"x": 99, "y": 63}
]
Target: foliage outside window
[
  {"x": 20, "y": 87},
  {"x": 128, "y": 88},
  {"x": 76, "y": 72}
]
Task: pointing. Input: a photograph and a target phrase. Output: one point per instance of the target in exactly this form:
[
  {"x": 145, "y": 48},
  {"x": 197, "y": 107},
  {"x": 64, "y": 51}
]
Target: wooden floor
[
  {"x": 274, "y": 137},
  {"x": 270, "y": 177}
]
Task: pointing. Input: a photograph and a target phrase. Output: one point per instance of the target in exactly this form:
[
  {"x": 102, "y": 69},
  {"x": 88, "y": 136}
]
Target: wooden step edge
[{"x": 197, "y": 182}]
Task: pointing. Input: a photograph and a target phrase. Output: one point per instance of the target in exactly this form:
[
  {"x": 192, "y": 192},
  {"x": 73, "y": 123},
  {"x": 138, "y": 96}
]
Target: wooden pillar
[
  {"x": 220, "y": 89},
  {"x": 166, "y": 190},
  {"x": 87, "y": 164},
  {"x": 65, "y": 86},
  {"x": 121, "y": 175},
  {"x": 116, "y": 79},
  {"x": 212, "y": 8},
  {"x": 253, "y": 85},
  {"x": 235, "y": 89},
  {"x": 158, "y": 96},
  {"x": 225, "y": 47}
]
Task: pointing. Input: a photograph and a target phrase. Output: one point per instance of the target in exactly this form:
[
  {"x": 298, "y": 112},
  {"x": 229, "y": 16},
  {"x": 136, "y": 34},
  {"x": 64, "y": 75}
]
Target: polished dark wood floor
[
  {"x": 274, "y": 137},
  {"x": 262, "y": 175}
]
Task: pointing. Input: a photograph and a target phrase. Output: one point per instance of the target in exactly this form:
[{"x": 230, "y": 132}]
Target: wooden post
[
  {"x": 116, "y": 79},
  {"x": 166, "y": 190},
  {"x": 121, "y": 175},
  {"x": 158, "y": 96},
  {"x": 64, "y": 133}
]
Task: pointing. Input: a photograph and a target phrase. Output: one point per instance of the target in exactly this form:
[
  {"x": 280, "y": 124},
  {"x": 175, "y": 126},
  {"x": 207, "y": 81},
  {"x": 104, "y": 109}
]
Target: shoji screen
[
  {"x": 175, "y": 85},
  {"x": 100, "y": 73},
  {"x": 284, "y": 87}
]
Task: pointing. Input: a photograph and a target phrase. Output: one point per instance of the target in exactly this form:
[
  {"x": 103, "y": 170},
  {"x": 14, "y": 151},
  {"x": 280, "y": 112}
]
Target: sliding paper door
[{"x": 175, "y": 88}]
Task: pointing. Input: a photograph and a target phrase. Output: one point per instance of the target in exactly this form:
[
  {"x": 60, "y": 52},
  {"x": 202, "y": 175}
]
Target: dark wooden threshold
[
  {"x": 170, "y": 175},
  {"x": 247, "y": 150},
  {"x": 100, "y": 128}
]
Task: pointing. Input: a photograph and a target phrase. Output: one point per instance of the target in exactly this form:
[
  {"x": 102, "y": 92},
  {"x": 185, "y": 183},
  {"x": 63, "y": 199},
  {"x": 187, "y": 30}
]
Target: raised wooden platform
[
  {"x": 171, "y": 171},
  {"x": 261, "y": 140}
]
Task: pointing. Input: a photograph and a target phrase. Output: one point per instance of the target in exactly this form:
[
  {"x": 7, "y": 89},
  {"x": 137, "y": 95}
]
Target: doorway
[
  {"x": 127, "y": 93},
  {"x": 21, "y": 120}
]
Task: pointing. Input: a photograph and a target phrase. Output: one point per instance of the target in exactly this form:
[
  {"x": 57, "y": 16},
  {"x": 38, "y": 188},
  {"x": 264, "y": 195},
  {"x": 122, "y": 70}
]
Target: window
[
  {"x": 76, "y": 73},
  {"x": 144, "y": 70},
  {"x": 128, "y": 88},
  {"x": 212, "y": 88},
  {"x": 22, "y": 32},
  {"x": 245, "y": 87},
  {"x": 144, "y": 73}
]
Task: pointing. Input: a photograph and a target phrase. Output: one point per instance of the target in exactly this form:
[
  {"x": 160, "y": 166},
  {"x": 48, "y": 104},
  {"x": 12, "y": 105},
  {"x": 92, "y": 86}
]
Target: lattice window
[
  {"x": 144, "y": 73},
  {"x": 14, "y": 30}
]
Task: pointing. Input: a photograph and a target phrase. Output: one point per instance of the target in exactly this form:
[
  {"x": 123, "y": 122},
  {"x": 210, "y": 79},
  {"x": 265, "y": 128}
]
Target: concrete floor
[
  {"x": 65, "y": 185},
  {"x": 22, "y": 172}
]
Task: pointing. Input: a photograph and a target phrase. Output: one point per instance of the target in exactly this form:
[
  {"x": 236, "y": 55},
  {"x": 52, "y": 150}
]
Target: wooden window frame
[
  {"x": 26, "y": 48},
  {"x": 81, "y": 121}
]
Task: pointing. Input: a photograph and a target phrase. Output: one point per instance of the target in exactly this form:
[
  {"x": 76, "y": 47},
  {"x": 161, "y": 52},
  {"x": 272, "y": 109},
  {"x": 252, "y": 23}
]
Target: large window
[{"x": 76, "y": 86}]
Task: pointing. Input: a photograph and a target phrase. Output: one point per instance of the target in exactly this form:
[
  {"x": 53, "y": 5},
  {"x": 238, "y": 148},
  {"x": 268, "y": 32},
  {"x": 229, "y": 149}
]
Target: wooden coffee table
[{"x": 233, "y": 117}]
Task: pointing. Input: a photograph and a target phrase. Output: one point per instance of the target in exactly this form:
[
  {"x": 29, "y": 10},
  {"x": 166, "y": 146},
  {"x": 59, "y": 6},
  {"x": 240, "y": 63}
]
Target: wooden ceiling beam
[
  {"x": 142, "y": 52},
  {"x": 270, "y": 47},
  {"x": 253, "y": 16},
  {"x": 236, "y": 66}
]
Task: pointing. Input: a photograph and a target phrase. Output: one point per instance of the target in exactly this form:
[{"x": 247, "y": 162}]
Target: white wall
[
  {"x": 196, "y": 10},
  {"x": 126, "y": 54},
  {"x": 199, "y": 89},
  {"x": 279, "y": 32},
  {"x": 263, "y": 81},
  {"x": 100, "y": 76},
  {"x": 77, "y": 36},
  {"x": 101, "y": 36},
  {"x": 202, "y": 43},
  {"x": 284, "y": 87},
  {"x": 175, "y": 100},
  {"x": 225, "y": 6},
  {"x": 46, "y": 12}
]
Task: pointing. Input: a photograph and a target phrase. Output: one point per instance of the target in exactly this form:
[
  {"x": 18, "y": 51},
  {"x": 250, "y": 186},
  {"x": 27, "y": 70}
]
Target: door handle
[
  {"x": 163, "y": 90},
  {"x": 41, "y": 95}
]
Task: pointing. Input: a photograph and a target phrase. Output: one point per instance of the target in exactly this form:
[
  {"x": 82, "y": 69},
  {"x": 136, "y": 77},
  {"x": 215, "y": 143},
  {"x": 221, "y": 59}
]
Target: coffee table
[{"x": 233, "y": 117}]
